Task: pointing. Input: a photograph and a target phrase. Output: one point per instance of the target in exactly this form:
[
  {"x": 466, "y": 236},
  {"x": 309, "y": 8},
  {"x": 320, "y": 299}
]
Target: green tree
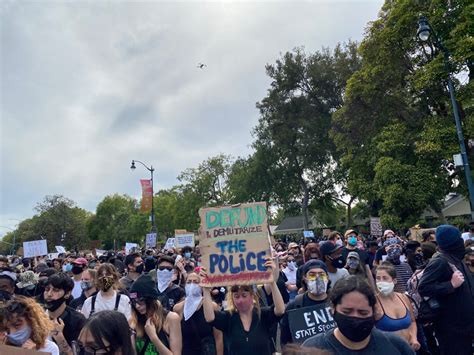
[
  {"x": 117, "y": 221},
  {"x": 395, "y": 127},
  {"x": 295, "y": 120}
]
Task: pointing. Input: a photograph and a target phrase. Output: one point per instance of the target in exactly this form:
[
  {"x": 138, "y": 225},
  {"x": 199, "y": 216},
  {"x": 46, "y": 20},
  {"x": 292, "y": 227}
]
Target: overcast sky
[{"x": 87, "y": 86}]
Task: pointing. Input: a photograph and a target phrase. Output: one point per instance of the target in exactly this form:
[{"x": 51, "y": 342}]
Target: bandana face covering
[
  {"x": 192, "y": 300},
  {"x": 164, "y": 279},
  {"x": 318, "y": 286},
  {"x": 19, "y": 337},
  {"x": 106, "y": 282}
]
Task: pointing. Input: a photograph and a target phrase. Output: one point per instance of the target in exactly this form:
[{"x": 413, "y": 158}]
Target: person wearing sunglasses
[
  {"x": 157, "y": 331},
  {"x": 28, "y": 326},
  {"x": 169, "y": 293},
  {"x": 107, "y": 333},
  {"x": 199, "y": 337}
]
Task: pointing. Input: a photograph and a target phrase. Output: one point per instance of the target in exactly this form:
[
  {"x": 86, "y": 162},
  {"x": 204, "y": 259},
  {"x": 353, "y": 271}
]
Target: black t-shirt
[
  {"x": 281, "y": 284},
  {"x": 254, "y": 342},
  {"x": 73, "y": 323},
  {"x": 77, "y": 303},
  {"x": 379, "y": 253},
  {"x": 284, "y": 324},
  {"x": 171, "y": 296},
  {"x": 385, "y": 343}
]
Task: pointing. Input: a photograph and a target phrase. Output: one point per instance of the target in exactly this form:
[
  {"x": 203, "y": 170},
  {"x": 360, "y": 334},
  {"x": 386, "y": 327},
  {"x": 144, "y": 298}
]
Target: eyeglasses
[
  {"x": 79, "y": 349},
  {"x": 140, "y": 301},
  {"x": 169, "y": 268},
  {"x": 192, "y": 282}
]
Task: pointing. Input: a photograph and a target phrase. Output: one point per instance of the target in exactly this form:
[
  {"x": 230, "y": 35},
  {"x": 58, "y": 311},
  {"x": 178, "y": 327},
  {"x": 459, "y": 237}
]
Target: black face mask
[
  {"x": 139, "y": 269},
  {"x": 419, "y": 260},
  {"x": 76, "y": 270},
  {"x": 338, "y": 263},
  {"x": 55, "y": 304},
  {"x": 354, "y": 328}
]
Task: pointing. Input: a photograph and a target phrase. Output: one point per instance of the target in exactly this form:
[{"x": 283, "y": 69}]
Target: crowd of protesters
[{"x": 390, "y": 295}]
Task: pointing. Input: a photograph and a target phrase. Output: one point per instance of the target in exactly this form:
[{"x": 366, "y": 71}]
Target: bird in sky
[{"x": 201, "y": 65}]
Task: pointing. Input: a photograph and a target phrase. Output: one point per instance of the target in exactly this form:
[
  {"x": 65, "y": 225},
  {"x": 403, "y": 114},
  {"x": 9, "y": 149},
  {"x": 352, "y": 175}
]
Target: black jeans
[{"x": 453, "y": 343}]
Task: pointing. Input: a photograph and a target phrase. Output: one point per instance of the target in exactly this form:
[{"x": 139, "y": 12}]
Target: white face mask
[
  {"x": 291, "y": 265},
  {"x": 164, "y": 279},
  {"x": 339, "y": 242},
  {"x": 192, "y": 300},
  {"x": 385, "y": 288}
]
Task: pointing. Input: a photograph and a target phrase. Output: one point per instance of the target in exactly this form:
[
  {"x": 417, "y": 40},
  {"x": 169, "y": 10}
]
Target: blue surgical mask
[
  {"x": 187, "y": 255},
  {"x": 352, "y": 241},
  {"x": 19, "y": 337},
  {"x": 67, "y": 267}
]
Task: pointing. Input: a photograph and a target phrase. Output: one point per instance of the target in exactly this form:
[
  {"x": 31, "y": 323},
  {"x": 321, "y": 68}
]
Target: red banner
[{"x": 147, "y": 195}]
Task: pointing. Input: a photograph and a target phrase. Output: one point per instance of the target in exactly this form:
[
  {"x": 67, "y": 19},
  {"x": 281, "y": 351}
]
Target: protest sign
[
  {"x": 376, "y": 227},
  {"x": 129, "y": 247},
  {"x": 60, "y": 249},
  {"x": 184, "y": 240},
  {"x": 52, "y": 256},
  {"x": 234, "y": 244},
  {"x": 308, "y": 321},
  {"x": 150, "y": 240},
  {"x": 416, "y": 233},
  {"x": 308, "y": 234},
  {"x": 13, "y": 350},
  {"x": 35, "y": 248},
  {"x": 100, "y": 252},
  {"x": 170, "y": 243}
]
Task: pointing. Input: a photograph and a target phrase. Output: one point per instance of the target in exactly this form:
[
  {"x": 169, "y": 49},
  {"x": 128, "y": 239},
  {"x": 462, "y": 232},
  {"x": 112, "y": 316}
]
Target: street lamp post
[
  {"x": 425, "y": 33},
  {"x": 151, "y": 170}
]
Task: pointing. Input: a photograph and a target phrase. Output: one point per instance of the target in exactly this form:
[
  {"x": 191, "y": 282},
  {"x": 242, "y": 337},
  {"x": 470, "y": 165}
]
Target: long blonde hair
[{"x": 36, "y": 317}]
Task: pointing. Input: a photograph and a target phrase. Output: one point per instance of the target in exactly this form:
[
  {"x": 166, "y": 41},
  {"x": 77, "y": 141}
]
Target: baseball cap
[
  {"x": 387, "y": 232},
  {"x": 353, "y": 254},
  {"x": 292, "y": 245},
  {"x": 327, "y": 248},
  {"x": 349, "y": 231},
  {"x": 80, "y": 261}
]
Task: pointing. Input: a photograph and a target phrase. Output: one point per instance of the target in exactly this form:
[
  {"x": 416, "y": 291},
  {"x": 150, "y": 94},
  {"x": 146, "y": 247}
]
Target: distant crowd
[{"x": 386, "y": 295}]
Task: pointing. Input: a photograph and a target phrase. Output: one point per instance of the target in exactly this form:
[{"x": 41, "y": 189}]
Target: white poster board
[
  {"x": 184, "y": 240},
  {"x": 60, "y": 249},
  {"x": 129, "y": 247},
  {"x": 52, "y": 256},
  {"x": 35, "y": 248},
  {"x": 150, "y": 240},
  {"x": 308, "y": 234},
  {"x": 170, "y": 243},
  {"x": 100, "y": 252}
]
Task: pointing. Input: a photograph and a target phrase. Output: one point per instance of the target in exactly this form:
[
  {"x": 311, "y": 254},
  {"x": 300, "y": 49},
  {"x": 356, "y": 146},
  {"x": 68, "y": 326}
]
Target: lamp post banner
[
  {"x": 234, "y": 244},
  {"x": 147, "y": 195}
]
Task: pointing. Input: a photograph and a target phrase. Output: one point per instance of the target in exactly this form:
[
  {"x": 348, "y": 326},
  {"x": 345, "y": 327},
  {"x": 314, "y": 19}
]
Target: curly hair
[
  {"x": 108, "y": 269},
  {"x": 35, "y": 316}
]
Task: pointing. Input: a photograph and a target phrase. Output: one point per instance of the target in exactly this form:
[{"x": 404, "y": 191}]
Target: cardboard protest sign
[
  {"x": 308, "y": 321},
  {"x": 129, "y": 247},
  {"x": 60, "y": 249},
  {"x": 234, "y": 244},
  {"x": 170, "y": 243},
  {"x": 13, "y": 350},
  {"x": 376, "y": 227},
  {"x": 184, "y": 240},
  {"x": 150, "y": 240},
  {"x": 417, "y": 233},
  {"x": 35, "y": 248}
]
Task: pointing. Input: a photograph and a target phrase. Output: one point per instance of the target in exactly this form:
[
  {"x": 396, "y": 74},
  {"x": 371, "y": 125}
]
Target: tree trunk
[
  {"x": 349, "y": 213},
  {"x": 305, "y": 202}
]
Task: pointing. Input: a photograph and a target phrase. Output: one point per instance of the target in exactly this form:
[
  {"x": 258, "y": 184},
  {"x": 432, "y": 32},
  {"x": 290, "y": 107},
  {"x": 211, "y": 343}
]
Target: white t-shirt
[
  {"x": 102, "y": 304},
  {"x": 50, "y": 347},
  {"x": 290, "y": 275},
  {"x": 77, "y": 290},
  {"x": 339, "y": 274}
]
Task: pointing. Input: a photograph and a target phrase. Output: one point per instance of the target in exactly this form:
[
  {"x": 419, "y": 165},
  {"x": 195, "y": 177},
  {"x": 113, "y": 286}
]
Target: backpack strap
[
  {"x": 299, "y": 300},
  {"x": 93, "y": 305},
  {"x": 117, "y": 301}
]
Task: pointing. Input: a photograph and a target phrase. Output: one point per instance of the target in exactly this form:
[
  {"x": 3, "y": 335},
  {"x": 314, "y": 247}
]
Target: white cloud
[{"x": 88, "y": 86}]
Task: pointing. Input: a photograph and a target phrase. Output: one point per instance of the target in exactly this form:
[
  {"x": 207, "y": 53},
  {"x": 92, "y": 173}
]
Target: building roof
[{"x": 296, "y": 224}]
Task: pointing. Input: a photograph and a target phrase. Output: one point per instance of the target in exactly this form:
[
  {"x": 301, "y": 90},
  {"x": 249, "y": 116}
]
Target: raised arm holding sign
[{"x": 234, "y": 244}]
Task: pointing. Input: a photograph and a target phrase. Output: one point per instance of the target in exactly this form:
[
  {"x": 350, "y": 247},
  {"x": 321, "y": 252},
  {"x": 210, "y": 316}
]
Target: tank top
[
  {"x": 194, "y": 330},
  {"x": 389, "y": 324}
]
